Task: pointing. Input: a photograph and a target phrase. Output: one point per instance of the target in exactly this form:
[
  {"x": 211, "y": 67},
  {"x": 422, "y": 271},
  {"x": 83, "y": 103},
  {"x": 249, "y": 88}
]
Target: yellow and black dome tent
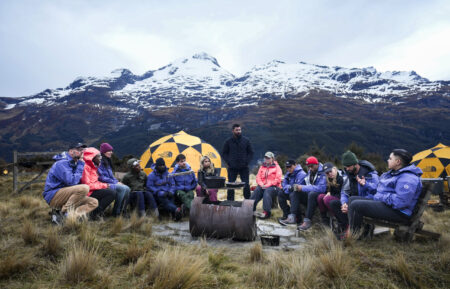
[
  {"x": 169, "y": 146},
  {"x": 434, "y": 162}
]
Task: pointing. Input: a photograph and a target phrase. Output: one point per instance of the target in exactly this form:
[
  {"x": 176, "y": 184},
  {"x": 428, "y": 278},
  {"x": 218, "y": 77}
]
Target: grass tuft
[
  {"x": 117, "y": 226},
  {"x": 29, "y": 233},
  {"x": 52, "y": 246},
  {"x": 12, "y": 265},
  {"x": 133, "y": 252},
  {"x": 80, "y": 264},
  {"x": 29, "y": 202},
  {"x": 256, "y": 253},
  {"x": 400, "y": 266},
  {"x": 176, "y": 268}
]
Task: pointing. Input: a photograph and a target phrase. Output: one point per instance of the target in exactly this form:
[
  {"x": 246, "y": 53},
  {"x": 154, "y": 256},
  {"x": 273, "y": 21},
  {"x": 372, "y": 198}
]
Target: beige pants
[{"x": 74, "y": 198}]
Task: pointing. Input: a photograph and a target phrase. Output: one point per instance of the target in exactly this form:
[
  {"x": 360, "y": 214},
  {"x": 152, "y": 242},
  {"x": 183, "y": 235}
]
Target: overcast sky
[{"x": 47, "y": 44}]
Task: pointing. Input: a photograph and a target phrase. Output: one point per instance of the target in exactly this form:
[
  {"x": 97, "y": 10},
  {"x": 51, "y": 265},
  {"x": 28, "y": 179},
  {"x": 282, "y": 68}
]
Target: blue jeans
[
  {"x": 122, "y": 195},
  {"x": 143, "y": 199},
  {"x": 267, "y": 195}
]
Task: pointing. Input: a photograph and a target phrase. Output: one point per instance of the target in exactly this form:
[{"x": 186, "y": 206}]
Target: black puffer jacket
[{"x": 237, "y": 152}]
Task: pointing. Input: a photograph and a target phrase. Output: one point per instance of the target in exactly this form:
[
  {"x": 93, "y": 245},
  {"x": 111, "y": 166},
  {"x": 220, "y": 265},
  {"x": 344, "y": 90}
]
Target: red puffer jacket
[
  {"x": 90, "y": 174},
  {"x": 269, "y": 176}
]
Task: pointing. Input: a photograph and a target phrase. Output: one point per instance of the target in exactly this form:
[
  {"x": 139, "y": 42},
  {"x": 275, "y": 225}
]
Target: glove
[{"x": 291, "y": 189}]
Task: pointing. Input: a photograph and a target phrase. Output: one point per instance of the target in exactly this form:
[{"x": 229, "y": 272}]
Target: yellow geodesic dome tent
[
  {"x": 434, "y": 162},
  {"x": 169, "y": 146}
]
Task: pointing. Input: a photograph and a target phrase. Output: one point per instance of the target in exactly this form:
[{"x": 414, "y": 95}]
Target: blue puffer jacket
[
  {"x": 184, "y": 182},
  {"x": 296, "y": 177},
  {"x": 158, "y": 183},
  {"x": 319, "y": 184},
  {"x": 105, "y": 173},
  {"x": 64, "y": 173},
  {"x": 369, "y": 189},
  {"x": 400, "y": 189}
]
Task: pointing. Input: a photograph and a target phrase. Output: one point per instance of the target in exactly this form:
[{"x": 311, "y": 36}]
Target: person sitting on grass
[
  {"x": 184, "y": 184},
  {"x": 269, "y": 183},
  {"x": 63, "y": 191},
  {"x": 98, "y": 190},
  {"x": 314, "y": 184},
  {"x": 163, "y": 188},
  {"x": 140, "y": 197},
  {"x": 396, "y": 196},
  {"x": 361, "y": 180},
  {"x": 335, "y": 183},
  {"x": 106, "y": 175},
  {"x": 294, "y": 175},
  {"x": 206, "y": 170}
]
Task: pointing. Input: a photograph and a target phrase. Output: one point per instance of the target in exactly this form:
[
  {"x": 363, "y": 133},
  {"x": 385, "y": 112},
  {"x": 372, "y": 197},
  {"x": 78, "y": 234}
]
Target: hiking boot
[
  {"x": 290, "y": 220},
  {"x": 57, "y": 219},
  {"x": 265, "y": 215},
  {"x": 305, "y": 225},
  {"x": 281, "y": 219}
]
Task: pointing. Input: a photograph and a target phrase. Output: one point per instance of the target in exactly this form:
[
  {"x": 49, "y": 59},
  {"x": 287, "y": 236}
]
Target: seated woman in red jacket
[
  {"x": 269, "y": 183},
  {"x": 98, "y": 190}
]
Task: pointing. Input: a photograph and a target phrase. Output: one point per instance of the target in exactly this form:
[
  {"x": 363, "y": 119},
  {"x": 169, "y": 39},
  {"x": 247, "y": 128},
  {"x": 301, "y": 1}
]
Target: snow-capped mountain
[{"x": 200, "y": 80}]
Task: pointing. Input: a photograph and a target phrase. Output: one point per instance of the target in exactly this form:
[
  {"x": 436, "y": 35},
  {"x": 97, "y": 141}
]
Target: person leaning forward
[
  {"x": 238, "y": 152},
  {"x": 62, "y": 190}
]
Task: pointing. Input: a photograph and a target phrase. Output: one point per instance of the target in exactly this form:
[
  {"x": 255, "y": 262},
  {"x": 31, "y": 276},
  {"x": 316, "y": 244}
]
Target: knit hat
[
  {"x": 349, "y": 159},
  {"x": 312, "y": 161},
  {"x": 160, "y": 162},
  {"x": 269, "y": 155},
  {"x": 105, "y": 147}
]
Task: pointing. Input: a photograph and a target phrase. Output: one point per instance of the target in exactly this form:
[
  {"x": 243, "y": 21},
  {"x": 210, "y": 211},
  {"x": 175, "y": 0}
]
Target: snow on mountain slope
[{"x": 199, "y": 80}]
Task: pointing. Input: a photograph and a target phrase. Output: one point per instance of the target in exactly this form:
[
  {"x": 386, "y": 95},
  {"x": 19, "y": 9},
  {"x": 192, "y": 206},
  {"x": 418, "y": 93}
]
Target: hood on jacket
[
  {"x": 62, "y": 156},
  {"x": 297, "y": 169},
  {"x": 408, "y": 169},
  {"x": 89, "y": 155},
  {"x": 188, "y": 167},
  {"x": 367, "y": 165}
]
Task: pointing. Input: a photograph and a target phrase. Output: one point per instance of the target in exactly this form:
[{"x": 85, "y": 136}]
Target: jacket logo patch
[
  {"x": 406, "y": 187},
  {"x": 165, "y": 154}
]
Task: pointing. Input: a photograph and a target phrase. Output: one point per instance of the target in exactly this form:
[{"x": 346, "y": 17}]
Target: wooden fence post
[{"x": 15, "y": 171}]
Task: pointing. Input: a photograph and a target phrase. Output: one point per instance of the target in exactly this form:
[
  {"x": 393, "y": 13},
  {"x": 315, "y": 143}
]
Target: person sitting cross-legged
[
  {"x": 294, "y": 175},
  {"x": 184, "y": 184},
  {"x": 335, "y": 182},
  {"x": 396, "y": 196},
  {"x": 163, "y": 187},
  {"x": 269, "y": 183},
  {"x": 140, "y": 197}
]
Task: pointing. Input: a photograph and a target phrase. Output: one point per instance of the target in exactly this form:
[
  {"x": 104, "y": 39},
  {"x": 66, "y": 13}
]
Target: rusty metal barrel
[{"x": 227, "y": 219}]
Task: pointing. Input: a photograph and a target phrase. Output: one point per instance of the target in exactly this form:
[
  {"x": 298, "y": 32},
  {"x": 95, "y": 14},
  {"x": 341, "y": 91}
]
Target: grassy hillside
[{"x": 122, "y": 253}]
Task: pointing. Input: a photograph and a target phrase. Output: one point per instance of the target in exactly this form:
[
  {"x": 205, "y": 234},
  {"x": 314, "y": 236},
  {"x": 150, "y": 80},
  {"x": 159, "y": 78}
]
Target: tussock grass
[
  {"x": 88, "y": 236},
  {"x": 73, "y": 224},
  {"x": 117, "y": 226},
  {"x": 5, "y": 209},
  {"x": 177, "y": 268},
  {"x": 12, "y": 265},
  {"x": 135, "y": 223},
  {"x": 400, "y": 266},
  {"x": 141, "y": 266},
  {"x": 133, "y": 252},
  {"x": 216, "y": 260},
  {"x": 29, "y": 202},
  {"x": 80, "y": 264},
  {"x": 29, "y": 233},
  {"x": 256, "y": 253},
  {"x": 52, "y": 246}
]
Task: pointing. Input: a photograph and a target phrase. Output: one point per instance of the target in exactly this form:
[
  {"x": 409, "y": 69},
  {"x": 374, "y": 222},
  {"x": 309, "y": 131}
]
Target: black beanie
[{"x": 160, "y": 162}]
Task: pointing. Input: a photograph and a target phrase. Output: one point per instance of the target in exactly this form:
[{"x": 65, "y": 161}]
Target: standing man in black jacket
[{"x": 238, "y": 152}]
